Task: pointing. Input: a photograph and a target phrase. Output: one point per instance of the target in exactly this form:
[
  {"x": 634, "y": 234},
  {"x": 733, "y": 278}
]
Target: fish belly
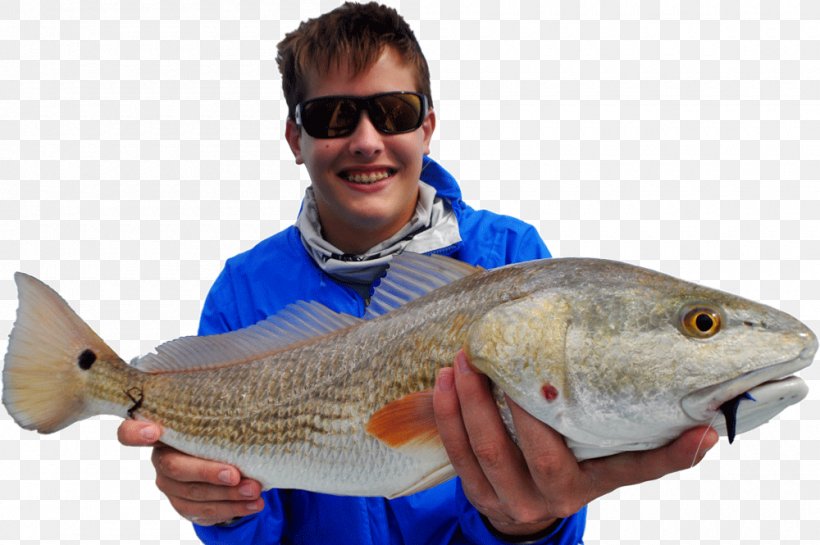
[{"x": 357, "y": 466}]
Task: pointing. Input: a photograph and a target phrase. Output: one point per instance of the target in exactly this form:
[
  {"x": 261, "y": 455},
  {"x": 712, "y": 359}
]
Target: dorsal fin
[
  {"x": 410, "y": 276},
  {"x": 294, "y": 324}
]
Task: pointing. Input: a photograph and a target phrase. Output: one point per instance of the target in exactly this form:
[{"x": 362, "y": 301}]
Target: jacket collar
[{"x": 445, "y": 185}]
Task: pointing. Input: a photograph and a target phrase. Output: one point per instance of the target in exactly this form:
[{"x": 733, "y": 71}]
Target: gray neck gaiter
[{"x": 432, "y": 227}]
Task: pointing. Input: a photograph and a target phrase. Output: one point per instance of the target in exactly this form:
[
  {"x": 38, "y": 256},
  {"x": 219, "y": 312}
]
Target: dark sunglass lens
[
  {"x": 335, "y": 117},
  {"x": 399, "y": 112},
  {"x": 331, "y": 117}
]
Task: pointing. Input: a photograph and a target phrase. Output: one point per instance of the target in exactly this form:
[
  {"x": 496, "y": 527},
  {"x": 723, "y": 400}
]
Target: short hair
[{"x": 354, "y": 35}]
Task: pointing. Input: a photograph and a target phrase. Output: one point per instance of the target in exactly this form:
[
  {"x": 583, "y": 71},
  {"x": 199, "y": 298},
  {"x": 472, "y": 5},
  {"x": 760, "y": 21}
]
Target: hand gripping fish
[{"x": 613, "y": 356}]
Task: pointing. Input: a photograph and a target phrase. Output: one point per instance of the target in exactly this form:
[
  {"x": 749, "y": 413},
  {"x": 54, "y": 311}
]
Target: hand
[
  {"x": 524, "y": 489},
  {"x": 203, "y": 491}
]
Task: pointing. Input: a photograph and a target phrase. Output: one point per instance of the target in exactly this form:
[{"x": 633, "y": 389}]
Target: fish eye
[{"x": 700, "y": 322}]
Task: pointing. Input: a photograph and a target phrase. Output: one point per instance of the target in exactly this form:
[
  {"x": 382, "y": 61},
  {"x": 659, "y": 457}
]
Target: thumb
[{"x": 135, "y": 433}]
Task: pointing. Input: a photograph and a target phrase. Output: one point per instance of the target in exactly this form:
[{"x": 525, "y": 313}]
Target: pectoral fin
[{"x": 406, "y": 422}]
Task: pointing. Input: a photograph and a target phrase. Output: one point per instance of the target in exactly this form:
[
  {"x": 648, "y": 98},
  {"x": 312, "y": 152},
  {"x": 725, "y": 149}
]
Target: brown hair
[{"x": 352, "y": 34}]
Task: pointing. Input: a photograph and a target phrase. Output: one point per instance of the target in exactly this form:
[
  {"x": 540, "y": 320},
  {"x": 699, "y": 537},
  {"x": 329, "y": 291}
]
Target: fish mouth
[{"x": 751, "y": 399}]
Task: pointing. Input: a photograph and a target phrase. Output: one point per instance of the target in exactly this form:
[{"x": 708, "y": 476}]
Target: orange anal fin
[{"x": 406, "y": 421}]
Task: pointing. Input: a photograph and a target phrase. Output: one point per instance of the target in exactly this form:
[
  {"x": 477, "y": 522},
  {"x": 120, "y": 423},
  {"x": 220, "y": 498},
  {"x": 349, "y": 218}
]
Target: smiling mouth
[{"x": 366, "y": 178}]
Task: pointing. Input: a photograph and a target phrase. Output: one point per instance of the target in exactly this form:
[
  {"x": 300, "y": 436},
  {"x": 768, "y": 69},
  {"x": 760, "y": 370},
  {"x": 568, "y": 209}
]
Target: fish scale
[
  {"x": 612, "y": 356},
  {"x": 279, "y": 418}
]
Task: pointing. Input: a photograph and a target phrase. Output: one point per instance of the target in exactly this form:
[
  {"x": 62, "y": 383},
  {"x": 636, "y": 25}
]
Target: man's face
[{"x": 366, "y": 183}]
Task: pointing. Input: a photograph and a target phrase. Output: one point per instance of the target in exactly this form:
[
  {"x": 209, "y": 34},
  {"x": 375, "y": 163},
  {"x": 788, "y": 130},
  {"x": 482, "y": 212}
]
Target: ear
[
  {"x": 427, "y": 127},
  {"x": 293, "y": 134}
]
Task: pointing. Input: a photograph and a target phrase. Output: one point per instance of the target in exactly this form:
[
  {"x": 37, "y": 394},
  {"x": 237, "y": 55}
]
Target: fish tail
[{"x": 50, "y": 353}]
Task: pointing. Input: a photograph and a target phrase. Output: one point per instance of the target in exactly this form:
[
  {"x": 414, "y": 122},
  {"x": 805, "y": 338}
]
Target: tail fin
[{"x": 50, "y": 351}]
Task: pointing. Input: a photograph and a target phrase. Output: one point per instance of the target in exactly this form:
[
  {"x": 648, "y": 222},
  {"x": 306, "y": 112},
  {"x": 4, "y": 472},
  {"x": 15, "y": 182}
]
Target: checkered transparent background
[{"x": 140, "y": 146}]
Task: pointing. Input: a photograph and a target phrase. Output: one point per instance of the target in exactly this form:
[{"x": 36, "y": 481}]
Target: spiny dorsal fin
[
  {"x": 294, "y": 324},
  {"x": 410, "y": 276}
]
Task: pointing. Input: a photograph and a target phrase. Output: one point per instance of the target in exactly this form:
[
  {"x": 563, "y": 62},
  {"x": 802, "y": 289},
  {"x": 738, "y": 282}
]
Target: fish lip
[{"x": 701, "y": 405}]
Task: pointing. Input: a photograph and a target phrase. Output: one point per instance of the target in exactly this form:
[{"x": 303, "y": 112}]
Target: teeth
[{"x": 369, "y": 178}]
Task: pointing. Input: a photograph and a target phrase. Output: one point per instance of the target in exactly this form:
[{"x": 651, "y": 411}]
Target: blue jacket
[{"x": 278, "y": 271}]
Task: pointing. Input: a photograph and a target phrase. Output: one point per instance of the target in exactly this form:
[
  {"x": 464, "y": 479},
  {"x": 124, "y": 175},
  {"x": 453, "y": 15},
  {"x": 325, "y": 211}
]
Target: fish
[{"x": 613, "y": 356}]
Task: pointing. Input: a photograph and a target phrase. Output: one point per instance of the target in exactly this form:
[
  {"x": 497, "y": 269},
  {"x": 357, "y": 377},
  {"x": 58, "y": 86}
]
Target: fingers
[
  {"x": 204, "y": 491},
  {"x": 454, "y": 435},
  {"x": 244, "y": 490},
  {"x": 522, "y": 489},
  {"x": 494, "y": 476},
  {"x": 690, "y": 448},
  {"x": 635, "y": 467},
  {"x": 544, "y": 448},
  {"x": 499, "y": 460},
  {"x": 463, "y": 406},
  {"x": 136, "y": 433},
  {"x": 553, "y": 467},
  {"x": 210, "y": 513},
  {"x": 182, "y": 467}
]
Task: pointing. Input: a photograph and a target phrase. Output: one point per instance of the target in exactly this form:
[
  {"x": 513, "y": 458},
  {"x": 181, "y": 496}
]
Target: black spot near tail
[
  {"x": 136, "y": 396},
  {"x": 86, "y": 359}
]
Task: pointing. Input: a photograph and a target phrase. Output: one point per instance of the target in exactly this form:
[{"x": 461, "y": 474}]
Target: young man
[{"x": 361, "y": 121}]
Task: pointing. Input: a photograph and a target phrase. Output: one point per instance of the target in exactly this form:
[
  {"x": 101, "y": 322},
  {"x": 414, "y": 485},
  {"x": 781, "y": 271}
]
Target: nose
[{"x": 365, "y": 141}]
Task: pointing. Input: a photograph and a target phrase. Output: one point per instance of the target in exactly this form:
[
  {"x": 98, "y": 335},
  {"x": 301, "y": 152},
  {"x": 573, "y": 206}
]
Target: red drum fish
[{"x": 613, "y": 356}]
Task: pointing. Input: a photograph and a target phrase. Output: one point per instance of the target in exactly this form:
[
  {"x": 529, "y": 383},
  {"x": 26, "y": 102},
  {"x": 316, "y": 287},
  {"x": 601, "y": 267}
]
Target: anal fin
[{"x": 435, "y": 477}]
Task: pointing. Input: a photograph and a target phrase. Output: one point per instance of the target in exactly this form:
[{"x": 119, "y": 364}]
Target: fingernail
[
  {"x": 445, "y": 380},
  {"x": 462, "y": 363},
  {"x": 247, "y": 491},
  {"x": 253, "y": 507},
  {"x": 707, "y": 447},
  {"x": 225, "y": 476},
  {"x": 149, "y": 433},
  {"x": 709, "y": 441}
]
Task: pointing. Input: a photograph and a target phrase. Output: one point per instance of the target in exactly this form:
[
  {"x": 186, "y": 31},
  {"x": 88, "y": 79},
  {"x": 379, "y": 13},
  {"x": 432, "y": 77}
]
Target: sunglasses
[{"x": 338, "y": 116}]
